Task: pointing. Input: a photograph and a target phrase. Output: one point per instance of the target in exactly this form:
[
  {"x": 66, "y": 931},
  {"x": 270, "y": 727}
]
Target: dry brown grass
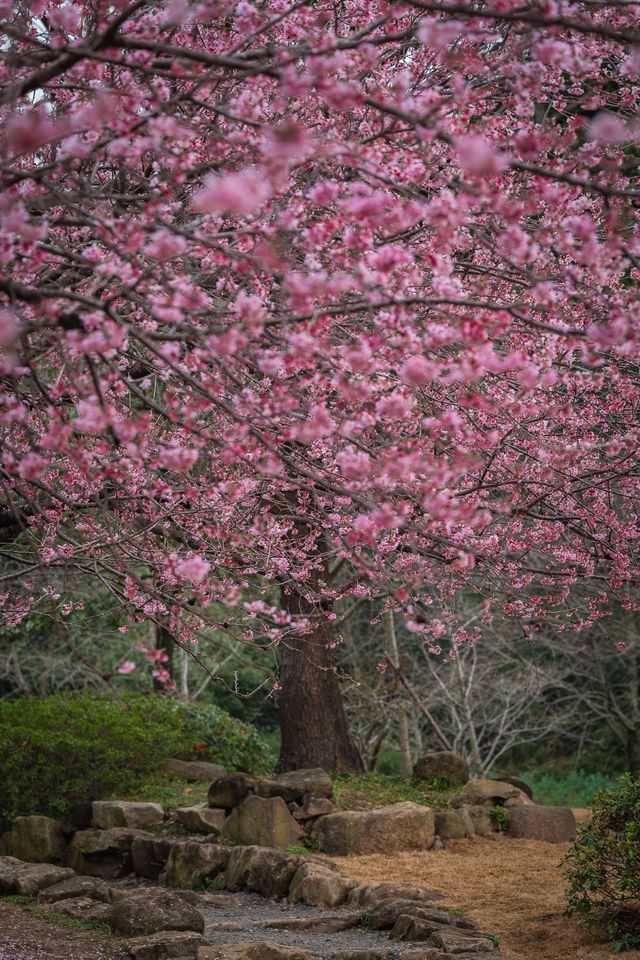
[{"x": 513, "y": 888}]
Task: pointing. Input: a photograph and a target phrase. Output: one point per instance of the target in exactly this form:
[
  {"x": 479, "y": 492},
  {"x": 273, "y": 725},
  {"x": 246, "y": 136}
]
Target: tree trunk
[
  {"x": 164, "y": 642},
  {"x": 313, "y": 723},
  {"x": 633, "y": 752},
  {"x": 404, "y": 741}
]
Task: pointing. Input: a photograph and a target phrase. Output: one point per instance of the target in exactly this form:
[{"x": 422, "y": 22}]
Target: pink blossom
[
  {"x": 128, "y": 666},
  {"x": 32, "y": 466},
  {"x": 194, "y": 569},
  {"x": 8, "y": 328},
  {"x": 478, "y": 157},
  {"x": 164, "y": 245},
  {"x": 240, "y": 193},
  {"x": 608, "y": 128},
  {"x": 177, "y": 458},
  {"x": 417, "y": 371},
  {"x": 90, "y": 417}
]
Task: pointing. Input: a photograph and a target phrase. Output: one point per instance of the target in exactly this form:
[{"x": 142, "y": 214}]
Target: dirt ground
[
  {"x": 513, "y": 888},
  {"x": 24, "y": 936}
]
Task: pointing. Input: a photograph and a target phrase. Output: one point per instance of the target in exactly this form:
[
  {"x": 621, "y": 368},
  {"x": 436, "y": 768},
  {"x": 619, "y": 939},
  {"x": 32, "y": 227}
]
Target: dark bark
[
  {"x": 633, "y": 752},
  {"x": 166, "y": 643},
  {"x": 312, "y": 719}
]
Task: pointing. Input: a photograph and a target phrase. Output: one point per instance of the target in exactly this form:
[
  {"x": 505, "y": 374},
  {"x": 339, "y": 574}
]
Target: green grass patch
[
  {"x": 168, "y": 790},
  {"x": 30, "y": 905},
  {"x": 567, "y": 788},
  {"x": 370, "y": 791}
]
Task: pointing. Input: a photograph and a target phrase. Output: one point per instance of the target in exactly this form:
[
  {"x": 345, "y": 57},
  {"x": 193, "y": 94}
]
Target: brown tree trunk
[
  {"x": 164, "y": 642},
  {"x": 313, "y": 723}
]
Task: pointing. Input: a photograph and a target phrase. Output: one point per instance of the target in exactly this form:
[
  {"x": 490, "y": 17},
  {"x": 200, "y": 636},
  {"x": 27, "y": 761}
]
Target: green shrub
[
  {"x": 499, "y": 818},
  {"x": 570, "y": 788},
  {"x": 89, "y": 745},
  {"x": 604, "y": 866}
]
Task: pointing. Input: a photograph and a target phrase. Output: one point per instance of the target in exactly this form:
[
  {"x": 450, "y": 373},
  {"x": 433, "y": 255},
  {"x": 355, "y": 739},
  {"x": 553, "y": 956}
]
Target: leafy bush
[
  {"x": 88, "y": 745},
  {"x": 604, "y": 866},
  {"x": 570, "y": 788}
]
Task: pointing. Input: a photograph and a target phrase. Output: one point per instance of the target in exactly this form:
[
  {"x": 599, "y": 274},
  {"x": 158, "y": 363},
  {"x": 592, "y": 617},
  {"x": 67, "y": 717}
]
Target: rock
[
  {"x": 408, "y": 927},
  {"x": 78, "y": 817},
  {"x": 150, "y": 911},
  {"x": 254, "y": 950},
  {"x": 5, "y": 844},
  {"x": 122, "y": 813},
  {"x": 262, "y": 821},
  {"x": 190, "y": 862},
  {"x": 319, "y": 886},
  {"x": 89, "y": 888},
  {"x": 491, "y": 793},
  {"x": 333, "y": 923},
  {"x": 550, "y": 824},
  {"x": 294, "y": 785},
  {"x": 454, "y": 824},
  {"x": 450, "y": 767},
  {"x": 387, "y": 912},
  {"x": 264, "y": 871},
  {"x": 34, "y": 877},
  {"x": 372, "y": 894},
  {"x": 481, "y": 820},
  {"x": 196, "y": 771},
  {"x": 311, "y": 808},
  {"x": 37, "y": 839},
  {"x": 201, "y": 819},
  {"x": 81, "y": 908},
  {"x": 425, "y": 953},
  {"x": 437, "y": 845},
  {"x": 364, "y": 954},
  {"x": 520, "y": 784},
  {"x": 230, "y": 790},
  {"x": 220, "y": 901},
  {"x": 401, "y": 826},
  {"x": 9, "y": 867},
  {"x": 165, "y": 945},
  {"x": 102, "y": 853},
  {"x": 454, "y": 943},
  {"x": 150, "y": 854}
]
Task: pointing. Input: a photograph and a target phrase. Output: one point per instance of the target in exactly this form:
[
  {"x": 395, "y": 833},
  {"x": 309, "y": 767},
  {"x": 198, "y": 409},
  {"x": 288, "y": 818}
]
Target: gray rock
[
  {"x": 265, "y": 871},
  {"x": 311, "y": 808},
  {"x": 123, "y": 813},
  {"x": 372, "y": 894},
  {"x": 401, "y": 826},
  {"x": 386, "y": 913},
  {"x": 453, "y": 942},
  {"x": 37, "y": 839},
  {"x": 332, "y": 923},
  {"x": 145, "y": 912},
  {"x": 549, "y": 824},
  {"x": 201, "y": 819},
  {"x": 520, "y": 784},
  {"x": 449, "y": 767},
  {"x": 230, "y": 790},
  {"x": 34, "y": 877},
  {"x": 9, "y": 867},
  {"x": 294, "y": 785},
  {"x": 81, "y": 908},
  {"x": 481, "y": 819},
  {"x": 78, "y": 817},
  {"x": 190, "y": 862},
  {"x": 265, "y": 822},
  {"x": 89, "y": 888},
  {"x": 150, "y": 854},
  {"x": 492, "y": 793},
  {"x": 102, "y": 853},
  {"x": 165, "y": 945},
  {"x": 254, "y": 950},
  {"x": 454, "y": 824},
  {"x": 196, "y": 771}
]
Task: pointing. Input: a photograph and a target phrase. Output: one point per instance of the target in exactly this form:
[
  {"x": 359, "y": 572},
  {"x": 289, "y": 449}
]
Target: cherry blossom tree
[{"x": 315, "y": 302}]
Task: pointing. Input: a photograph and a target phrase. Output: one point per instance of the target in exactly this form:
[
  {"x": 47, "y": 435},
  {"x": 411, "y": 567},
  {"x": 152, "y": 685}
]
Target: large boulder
[
  {"x": 230, "y": 790},
  {"x": 296, "y": 784},
  {"x": 196, "y": 771},
  {"x": 401, "y": 826},
  {"x": 454, "y": 824},
  {"x": 446, "y": 766},
  {"x": 492, "y": 793},
  {"x": 201, "y": 818},
  {"x": 265, "y": 871},
  {"x": 480, "y": 815},
  {"x": 264, "y": 822},
  {"x": 9, "y": 867},
  {"x": 91, "y": 888},
  {"x": 319, "y": 886},
  {"x": 150, "y": 854},
  {"x": 37, "y": 839},
  {"x": 165, "y": 945},
  {"x": 191, "y": 862},
  {"x": 550, "y": 824},
  {"x": 124, "y": 813},
  {"x": 148, "y": 911},
  {"x": 34, "y": 877},
  {"x": 102, "y": 853}
]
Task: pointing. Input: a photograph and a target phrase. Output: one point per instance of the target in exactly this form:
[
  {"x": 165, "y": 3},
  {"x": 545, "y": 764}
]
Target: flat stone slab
[
  {"x": 125, "y": 813},
  {"x": 401, "y": 826},
  {"x": 196, "y": 771}
]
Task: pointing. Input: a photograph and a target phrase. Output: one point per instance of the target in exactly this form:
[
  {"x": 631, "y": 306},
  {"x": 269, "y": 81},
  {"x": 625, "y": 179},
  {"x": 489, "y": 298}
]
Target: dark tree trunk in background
[
  {"x": 313, "y": 723},
  {"x": 164, "y": 642},
  {"x": 633, "y": 753}
]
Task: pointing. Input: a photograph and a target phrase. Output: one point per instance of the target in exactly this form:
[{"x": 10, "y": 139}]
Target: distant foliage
[
  {"x": 88, "y": 745},
  {"x": 604, "y": 866},
  {"x": 573, "y": 788}
]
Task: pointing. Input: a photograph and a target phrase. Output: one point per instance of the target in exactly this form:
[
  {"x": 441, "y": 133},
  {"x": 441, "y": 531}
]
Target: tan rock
[
  {"x": 254, "y": 950},
  {"x": 262, "y": 870},
  {"x": 190, "y": 862},
  {"x": 150, "y": 854},
  {"x": 372, "y": 894},
  {"x": 148, "y": 911},
  {"x": 196, "y": 771},
  {"x": 165, "y": 945},
  {"x": 81, "y": 908},
  {"x": 201, "y": 819},
  {"x": 401, "y": 826},
  {"x": 262, "y": 821},
  {"x": 491, "y": 793},
  {"x": 296, "y": 784},
  {"x": 549, "y": 824},
  {"x": 319, "y": 886},
  {"x": 454, "y": 942},
  {"x": 9, "y": 867},
  {"x": 230, "y": 790},
  {"x": 34, "y": 877},
  {"x": 454, "y": 824},
  {"x": 88, "y": 888},
  {"x": 123, "y": 813},
  {"x": 102, "y": 853}
]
